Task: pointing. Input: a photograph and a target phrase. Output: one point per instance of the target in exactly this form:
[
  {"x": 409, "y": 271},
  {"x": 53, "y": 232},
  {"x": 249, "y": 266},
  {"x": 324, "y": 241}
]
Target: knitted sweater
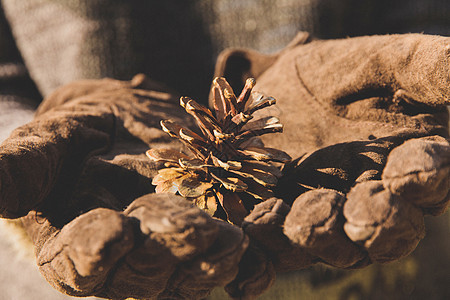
[{"x": 177, "y": 41}]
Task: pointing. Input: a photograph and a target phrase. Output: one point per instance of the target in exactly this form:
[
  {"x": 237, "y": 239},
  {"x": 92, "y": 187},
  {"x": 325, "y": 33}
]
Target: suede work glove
[
  {"x": 348, "y": 200},
  {"x": 79, "y": 173},
  {"x": 366, "y": 119}
]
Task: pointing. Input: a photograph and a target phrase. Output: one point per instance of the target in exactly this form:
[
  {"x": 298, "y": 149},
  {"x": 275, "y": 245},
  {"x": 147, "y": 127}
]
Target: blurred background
[{"x": 47, "y": 43}]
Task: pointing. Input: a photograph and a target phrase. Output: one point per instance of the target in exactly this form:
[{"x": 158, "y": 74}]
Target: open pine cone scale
[{"x": 229, "y": 170}]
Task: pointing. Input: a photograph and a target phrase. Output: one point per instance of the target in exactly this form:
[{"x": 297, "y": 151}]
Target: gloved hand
[
  {"x": 84, "y": 160},
  {"x": 79, "y": 174},
  {"x": 366, "y": 119}
]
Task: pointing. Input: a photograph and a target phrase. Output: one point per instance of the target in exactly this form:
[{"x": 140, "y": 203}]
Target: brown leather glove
[
  {"x": 79, "y": 173},
  {"x": 84, "y": 163},
  {"x": 366, "y": 119}
]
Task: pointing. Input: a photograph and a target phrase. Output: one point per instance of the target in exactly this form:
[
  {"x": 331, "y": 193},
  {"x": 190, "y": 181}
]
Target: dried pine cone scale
[{"x": 229, "y": 170}]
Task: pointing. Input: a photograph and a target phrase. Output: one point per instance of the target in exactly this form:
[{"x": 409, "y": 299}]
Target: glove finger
[
  {"x": 419, "y": 172},
  {"x": 315, "y": 223},
  {"x": 181, "y": 253},
  {"x": 77, "y": 259},
  {"x": 176, "y": 224},
  {"x": 218, "y": 266},
  {"x": 264, "y": 225},
  {"x": 387, "y": 226}
]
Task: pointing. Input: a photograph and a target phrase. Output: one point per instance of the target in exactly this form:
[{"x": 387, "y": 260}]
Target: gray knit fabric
[
  {"x": 264, "y": 25},
  {"x": 17, "y": 91},
  {"x": 177, "y": 41}
]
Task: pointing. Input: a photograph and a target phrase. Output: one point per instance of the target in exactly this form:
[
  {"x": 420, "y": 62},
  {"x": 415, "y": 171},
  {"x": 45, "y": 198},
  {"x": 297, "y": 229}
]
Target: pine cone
[{"x": 230, "y": 170}]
